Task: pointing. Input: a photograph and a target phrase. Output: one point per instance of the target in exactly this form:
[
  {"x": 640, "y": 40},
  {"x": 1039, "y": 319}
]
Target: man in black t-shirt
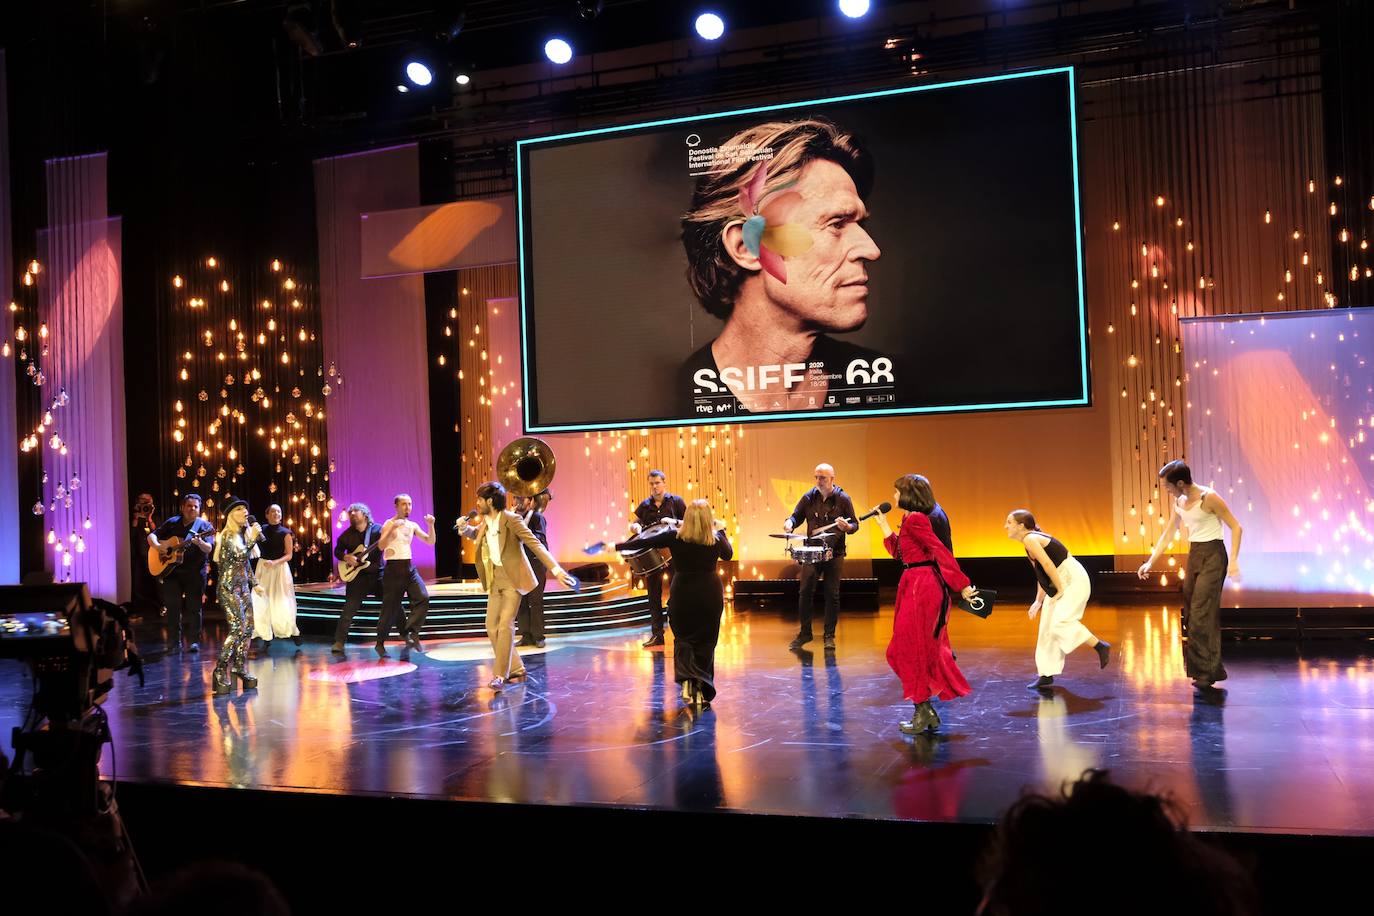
[
  {"x": 183, "y": 585},
  {"x": 822, "y": 506},
  {"x": 659, "y": 505}
]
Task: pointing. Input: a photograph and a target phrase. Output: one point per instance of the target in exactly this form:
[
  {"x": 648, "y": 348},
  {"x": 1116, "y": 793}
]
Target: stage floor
[{"x": 1288, "y": 747}]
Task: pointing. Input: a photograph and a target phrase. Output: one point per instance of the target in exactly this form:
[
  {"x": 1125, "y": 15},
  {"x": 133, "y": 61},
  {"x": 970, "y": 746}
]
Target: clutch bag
[{"x": 980, "y": 605}]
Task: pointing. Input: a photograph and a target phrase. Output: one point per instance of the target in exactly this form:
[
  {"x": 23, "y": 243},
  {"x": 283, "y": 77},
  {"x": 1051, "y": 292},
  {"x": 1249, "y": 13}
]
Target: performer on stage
[
  {"x": 274, "y": 602},
  {"x": 1060, "y": 598},
  {"x": 505, "y": 575},
  {"x": 362, "y": 532},
  {"x": 530, "y": 618},
  {"x": 183, "y": 589},
  {"x": 1202, "y": 511},
  {"x": 919, "y": 651},
  {"x": 822, "y": 506},
  {"x": 657, "y": 506},
  {"x": 696, "y": 600},
  {"x": 145, "y": 595},
  {"x": 234, "y": 586},
  {"x": 401, "y": 578}
]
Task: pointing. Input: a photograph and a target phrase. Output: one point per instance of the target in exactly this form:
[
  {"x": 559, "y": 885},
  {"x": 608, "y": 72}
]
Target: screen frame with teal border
[{"x": 523, "y": 146}]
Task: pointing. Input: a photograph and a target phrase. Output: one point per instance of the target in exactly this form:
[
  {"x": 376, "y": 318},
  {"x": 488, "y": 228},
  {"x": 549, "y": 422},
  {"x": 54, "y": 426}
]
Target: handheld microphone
[{"x": 881, "y": 509}]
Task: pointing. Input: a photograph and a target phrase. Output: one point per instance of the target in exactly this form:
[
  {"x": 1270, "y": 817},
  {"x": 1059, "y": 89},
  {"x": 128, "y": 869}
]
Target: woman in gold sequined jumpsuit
[{"x": 234, "y": 589}]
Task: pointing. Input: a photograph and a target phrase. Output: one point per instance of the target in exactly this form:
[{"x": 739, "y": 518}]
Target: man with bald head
[{"x": 822, "y": 506}]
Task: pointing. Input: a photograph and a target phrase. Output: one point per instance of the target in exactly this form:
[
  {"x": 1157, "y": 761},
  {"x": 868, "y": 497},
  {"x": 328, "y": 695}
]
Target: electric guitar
[
  {"x": 162, "y": 559},
  {"x": 349, "y": 571}
]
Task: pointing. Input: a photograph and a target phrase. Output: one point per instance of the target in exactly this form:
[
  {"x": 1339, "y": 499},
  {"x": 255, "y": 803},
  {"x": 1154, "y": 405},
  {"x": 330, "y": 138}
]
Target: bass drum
[{"x": 649, "y": 559}]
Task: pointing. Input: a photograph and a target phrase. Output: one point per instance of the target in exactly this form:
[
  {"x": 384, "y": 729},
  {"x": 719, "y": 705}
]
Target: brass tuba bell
[{"x": 525, "y": 467}]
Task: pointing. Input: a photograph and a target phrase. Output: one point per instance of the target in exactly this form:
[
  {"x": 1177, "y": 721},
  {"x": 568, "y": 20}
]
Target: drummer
[
  {"x": 660, "y": 505},
  {"x": 823, "y": 506}
]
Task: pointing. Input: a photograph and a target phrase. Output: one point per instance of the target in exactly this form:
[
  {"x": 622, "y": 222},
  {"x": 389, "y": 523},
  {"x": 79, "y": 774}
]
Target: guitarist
[
  {"x": 183, "y": 586},
  {"x": 362, "y": 532}
]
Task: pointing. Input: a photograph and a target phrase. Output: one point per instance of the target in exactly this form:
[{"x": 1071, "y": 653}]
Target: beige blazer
[{"x": 513, "y": 533}]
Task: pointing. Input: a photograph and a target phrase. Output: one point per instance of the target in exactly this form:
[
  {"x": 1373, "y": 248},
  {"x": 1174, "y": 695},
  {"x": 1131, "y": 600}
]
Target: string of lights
[{"x": 249, "y": 393}]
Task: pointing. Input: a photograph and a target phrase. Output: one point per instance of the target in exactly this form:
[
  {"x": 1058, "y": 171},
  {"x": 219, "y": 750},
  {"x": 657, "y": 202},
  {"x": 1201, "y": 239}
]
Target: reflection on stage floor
[{"x": 1287, "y": 745}]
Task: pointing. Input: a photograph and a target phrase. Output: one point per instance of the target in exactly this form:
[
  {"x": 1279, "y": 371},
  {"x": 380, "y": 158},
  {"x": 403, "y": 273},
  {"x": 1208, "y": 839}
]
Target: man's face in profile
[{"x": 827, "y": 285}]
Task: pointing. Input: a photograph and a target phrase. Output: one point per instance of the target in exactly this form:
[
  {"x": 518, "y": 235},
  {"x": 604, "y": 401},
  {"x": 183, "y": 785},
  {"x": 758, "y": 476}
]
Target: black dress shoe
[
  {"x": 1041, "y": 682},
  {"x": 296, "y": 639},
  {"x": 801, "y": 640},
  {"x": 654, "y": 641},
  {"x": 1104, "y": 652},
  {"x": 381, "y": 650}
]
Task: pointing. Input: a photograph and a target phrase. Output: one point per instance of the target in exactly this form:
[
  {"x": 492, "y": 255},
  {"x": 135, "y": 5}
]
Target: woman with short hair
[{"x": 919, "y": 651}]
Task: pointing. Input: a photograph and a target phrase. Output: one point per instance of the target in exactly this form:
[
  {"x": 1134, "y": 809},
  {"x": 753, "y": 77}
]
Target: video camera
[{"x": 73, "y": 645}]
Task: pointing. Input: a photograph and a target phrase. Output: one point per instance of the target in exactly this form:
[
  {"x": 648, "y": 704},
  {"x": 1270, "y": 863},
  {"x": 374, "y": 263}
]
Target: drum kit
[{"x": 814, "y": 547}]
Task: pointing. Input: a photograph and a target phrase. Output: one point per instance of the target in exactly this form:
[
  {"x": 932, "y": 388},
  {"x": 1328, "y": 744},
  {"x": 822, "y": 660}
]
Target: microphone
[{"x": 881, "y": 509}]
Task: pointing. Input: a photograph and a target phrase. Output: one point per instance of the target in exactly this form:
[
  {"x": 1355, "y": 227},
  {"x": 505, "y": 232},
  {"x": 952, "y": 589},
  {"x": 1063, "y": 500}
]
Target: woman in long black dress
[{"x": 696, "y": 599}]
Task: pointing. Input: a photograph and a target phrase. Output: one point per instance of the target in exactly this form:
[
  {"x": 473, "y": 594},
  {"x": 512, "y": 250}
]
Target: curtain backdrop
[{"x": 374, "y": 337}]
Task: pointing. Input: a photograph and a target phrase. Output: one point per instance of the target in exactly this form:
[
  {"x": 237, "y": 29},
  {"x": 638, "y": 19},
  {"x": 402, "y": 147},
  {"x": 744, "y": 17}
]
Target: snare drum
[{"x": 810, "y": 555}]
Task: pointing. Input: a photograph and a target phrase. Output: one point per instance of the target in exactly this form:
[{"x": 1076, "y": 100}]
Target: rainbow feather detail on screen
[{"x": 767, "y": 232}]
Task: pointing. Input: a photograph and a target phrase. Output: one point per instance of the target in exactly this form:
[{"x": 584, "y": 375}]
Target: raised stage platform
[
  {"x": 800, "y": 752},
  {"x": 458, "y": 609}
]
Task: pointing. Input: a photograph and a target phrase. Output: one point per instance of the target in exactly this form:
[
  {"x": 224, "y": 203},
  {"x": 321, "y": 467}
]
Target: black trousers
[
  {"x": 367, "y": 583},
  {"x": 653, "y": 584},
  {"x": 529, "y": 620},
  {"x": 183, "y": 595},
  {"x": 401, "y": 578},
  {"x": 829, "y": 573}
]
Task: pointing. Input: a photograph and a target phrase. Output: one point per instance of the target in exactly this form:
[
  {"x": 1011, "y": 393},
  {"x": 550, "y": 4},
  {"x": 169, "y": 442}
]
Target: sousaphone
[{"x": 525, "y": 467}]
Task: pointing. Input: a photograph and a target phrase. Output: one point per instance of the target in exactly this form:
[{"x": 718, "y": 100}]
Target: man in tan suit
[{"x": 506, "y": 574}]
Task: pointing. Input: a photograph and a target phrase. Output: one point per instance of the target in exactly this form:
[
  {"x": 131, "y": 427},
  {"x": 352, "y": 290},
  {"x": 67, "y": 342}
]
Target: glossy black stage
[{"x": 1286, "y": 747}]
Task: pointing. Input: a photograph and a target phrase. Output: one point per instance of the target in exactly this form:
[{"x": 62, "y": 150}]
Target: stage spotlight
[
  {"x": 462, "y": 79},
  {"x": 451, "y": 23},
  {"x": 855, "y": 9},
  {"x": 402, "y": 87},
  {"x": 558, "y": 50},
  {"x": 418, "y": 73},
  {"x": 590, "y": 9},
  {"x": 710, "y": 26}
]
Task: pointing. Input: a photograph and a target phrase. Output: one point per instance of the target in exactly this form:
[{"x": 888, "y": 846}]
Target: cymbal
[{"x": 790, "y": 537}]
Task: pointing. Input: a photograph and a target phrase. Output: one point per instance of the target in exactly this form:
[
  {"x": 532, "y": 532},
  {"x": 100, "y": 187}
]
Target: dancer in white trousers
[
  {"x": 1061, "y": 596},
  {"x": 274, "y": 600}
]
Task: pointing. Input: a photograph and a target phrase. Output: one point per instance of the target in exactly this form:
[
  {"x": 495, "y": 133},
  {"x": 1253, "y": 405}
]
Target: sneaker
[{"x": 830, "y": 642}]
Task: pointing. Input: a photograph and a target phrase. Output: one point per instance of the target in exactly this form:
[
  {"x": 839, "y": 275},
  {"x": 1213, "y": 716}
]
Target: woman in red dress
[{"x": 919, "y": 651}]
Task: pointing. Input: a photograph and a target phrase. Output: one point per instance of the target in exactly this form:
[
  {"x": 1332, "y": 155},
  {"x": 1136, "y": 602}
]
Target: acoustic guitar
[{"x": 163, "y": 559}]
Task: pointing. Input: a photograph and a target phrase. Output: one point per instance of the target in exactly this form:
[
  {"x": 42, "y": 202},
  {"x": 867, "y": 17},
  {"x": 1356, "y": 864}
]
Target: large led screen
[{"x": 906, "y": 251}]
